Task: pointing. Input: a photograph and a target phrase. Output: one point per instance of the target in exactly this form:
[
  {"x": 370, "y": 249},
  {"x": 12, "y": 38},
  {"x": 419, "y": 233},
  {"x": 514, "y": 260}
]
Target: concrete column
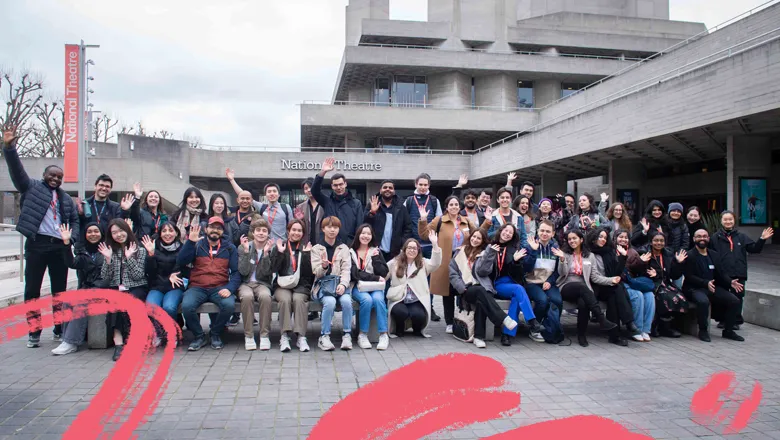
[
  {"x": 496, "y": 91},
  {"x": 546, "y": 91},
  {"x": 357, "y": 10},
  {"x": 447, "y": 11},
  {"x": 552, "y": 184},
  {"x": 747, "y": 156},
  {"x": 450, "y": 89},
  {"x": 627, "y": 174},
  {"x": 488, "y": 20}
]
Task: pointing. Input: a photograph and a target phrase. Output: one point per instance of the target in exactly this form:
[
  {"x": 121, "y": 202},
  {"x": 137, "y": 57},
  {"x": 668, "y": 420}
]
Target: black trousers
[
  {"x": 43, "y": 252},
  {"x": 414, "y": 311},
  {"x": 121, "y": 320},
  {"x": 718, "y": 311},
  {"x": 485, "y": 307},
  {"x": 586, "y": 303},
  {"x": 728, "y": 303},
  {"x": 618, "y": 304}
]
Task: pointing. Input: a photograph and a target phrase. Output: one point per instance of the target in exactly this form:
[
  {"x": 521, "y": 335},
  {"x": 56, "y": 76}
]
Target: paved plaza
[{"x": 237, "y": 394}]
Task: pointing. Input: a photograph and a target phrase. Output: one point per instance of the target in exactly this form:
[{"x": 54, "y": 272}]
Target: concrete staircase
[{"x": 12, "y": 289}]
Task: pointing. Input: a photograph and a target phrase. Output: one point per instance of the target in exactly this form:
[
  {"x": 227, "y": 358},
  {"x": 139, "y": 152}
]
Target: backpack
[
  {"x": 553, "y": 331},
  {"x": 287, "y": 211}
]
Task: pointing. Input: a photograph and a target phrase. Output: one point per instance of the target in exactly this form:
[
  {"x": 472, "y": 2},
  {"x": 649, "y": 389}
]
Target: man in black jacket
[
  {"x": 339, "y": 203},
  {"x": 705, "y": 282},
  {"x": 45, "y": 207},
  {"x": 99, "y": 209},
  {"x": 390, "y": 220}
]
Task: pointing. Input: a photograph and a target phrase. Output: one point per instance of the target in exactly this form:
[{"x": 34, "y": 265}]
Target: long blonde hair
[{"x": 401, "y": 263}]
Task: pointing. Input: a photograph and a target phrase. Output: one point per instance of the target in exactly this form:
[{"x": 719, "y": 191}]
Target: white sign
[{"x": 340, "y": 165}]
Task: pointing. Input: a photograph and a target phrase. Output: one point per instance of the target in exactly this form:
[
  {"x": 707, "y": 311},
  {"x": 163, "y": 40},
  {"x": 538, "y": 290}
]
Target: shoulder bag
[{"x": 291, "y": 281}]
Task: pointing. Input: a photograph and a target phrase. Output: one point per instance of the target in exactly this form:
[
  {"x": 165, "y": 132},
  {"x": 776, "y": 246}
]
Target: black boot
[
  {"x": 704, "y": 335},
  {"x": 731, "y": 334},
  {"x": 604, "y": 323},
  {"x": 434, "y": 316},
  {"x": 633, "y": 329},
  {"x": 583, "y": 341},
  {"x": 117, "y": 352},
  {"x": 654, "y": 330},
  {"x": 666, "y": 330},
  {"x": 615, "y": 338},
  {"x": 506, "y": 340}
]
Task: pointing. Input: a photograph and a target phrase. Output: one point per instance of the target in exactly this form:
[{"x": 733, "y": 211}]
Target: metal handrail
[
  {"x": 504, "y": 52},
  {"x": 419, "y": 105},
  {"x": 329, "y": 149},
  {"x": 647, "y": 83},
  {"x": 705, "y": 32},
  {"x": 21, "y": 249}
]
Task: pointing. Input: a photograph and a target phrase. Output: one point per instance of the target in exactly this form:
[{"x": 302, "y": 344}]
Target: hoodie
[{"x": 639, "y": 236}]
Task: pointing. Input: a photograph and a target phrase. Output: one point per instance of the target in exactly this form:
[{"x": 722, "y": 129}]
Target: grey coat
[
  {"x": 247, "y": 263},
  {"x": 36, "y": 198},
  {"x": 590, "y": 272},
  {"x": 456, "y": 276}
]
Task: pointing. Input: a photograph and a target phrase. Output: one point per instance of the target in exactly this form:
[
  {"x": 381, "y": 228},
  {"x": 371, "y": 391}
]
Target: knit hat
[
  {"x": 545, "y": 200},
  {"x": 676, "y": 207}
]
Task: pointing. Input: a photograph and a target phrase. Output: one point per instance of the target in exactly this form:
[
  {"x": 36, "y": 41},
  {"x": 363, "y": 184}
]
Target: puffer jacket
[
  {"x": 36, "y": 198},
  {"x": 733, "y": 253},
  {"x": 347, "y": 208},
  {"x": 144, "y": 223},
  {"x": 160, "y": 266},
  {"x": 638, "y": 235},
  {"x": 679, "y": 236}
]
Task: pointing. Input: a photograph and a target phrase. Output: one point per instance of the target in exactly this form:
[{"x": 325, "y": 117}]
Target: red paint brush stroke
[
  {"x": 707, "y": 406},
  {"x": 120, "y": 397},
  {"x": 577, "y": 427}
]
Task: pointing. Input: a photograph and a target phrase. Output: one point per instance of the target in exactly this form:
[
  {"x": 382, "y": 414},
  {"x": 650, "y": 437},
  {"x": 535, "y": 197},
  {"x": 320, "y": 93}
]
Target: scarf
[
  {"x": 91, "y": 248},
  {"x": 173, "y": 247},
  {"x": 188, "y": 216}
]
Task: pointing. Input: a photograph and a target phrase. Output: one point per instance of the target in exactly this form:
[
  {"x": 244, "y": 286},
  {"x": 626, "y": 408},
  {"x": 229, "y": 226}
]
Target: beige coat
[
  {"x": 440, "y": 280},
  {"x": 342, "y": 265},
  {"x": 418, "y": 284}
]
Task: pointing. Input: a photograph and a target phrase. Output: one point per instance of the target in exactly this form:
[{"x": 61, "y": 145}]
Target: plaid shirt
[{"x": 133, "y": 269}]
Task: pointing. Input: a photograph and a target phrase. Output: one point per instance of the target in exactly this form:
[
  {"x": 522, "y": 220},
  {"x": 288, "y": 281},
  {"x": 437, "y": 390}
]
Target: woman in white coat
[{"x": 409, "y": 273}]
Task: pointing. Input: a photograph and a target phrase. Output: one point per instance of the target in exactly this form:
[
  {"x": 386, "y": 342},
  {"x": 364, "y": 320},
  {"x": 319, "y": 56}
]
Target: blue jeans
[
  {"x": 643, "y": 305},
  {"x": 169, "y": 301},
  {"x": 368, "y": 301},
  {"x": 542, "y": 298},
  {"x": 194, "y": 297},
  {"x": 329, "y": 308},
  {"x": 508, "y": 289}
]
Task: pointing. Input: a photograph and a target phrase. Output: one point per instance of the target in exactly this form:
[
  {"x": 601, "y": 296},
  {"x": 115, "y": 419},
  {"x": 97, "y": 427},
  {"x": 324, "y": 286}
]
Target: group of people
[{"x": 390, "y": 258}]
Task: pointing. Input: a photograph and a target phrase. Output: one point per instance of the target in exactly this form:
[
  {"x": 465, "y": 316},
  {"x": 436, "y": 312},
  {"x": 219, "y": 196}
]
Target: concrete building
[{"x": 485, "y": 87}]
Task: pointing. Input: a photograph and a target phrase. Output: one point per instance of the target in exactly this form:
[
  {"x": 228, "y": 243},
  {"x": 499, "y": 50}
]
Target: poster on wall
[
  {"x": 753, "y": 201},
  {"x": 630, "y": 199}
]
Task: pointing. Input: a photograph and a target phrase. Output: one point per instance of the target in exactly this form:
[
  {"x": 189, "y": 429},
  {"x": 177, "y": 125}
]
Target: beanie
[{"x": 676, "y": 207}]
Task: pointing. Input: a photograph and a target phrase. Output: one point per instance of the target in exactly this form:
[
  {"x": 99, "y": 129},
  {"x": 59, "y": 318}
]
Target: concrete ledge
[{"x": 762, "y": 308}]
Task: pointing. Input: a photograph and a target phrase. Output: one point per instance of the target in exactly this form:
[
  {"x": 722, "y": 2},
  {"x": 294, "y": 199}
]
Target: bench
[{"x": 98, "y": 336}]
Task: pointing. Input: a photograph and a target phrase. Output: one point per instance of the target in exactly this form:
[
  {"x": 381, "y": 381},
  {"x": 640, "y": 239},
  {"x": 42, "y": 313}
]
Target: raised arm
[
  {"x": 231, "y": 176},
  {"x": 19, "y": 176}
]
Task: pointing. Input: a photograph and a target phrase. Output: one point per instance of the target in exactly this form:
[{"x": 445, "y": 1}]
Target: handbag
[
  {"x": 396, "y": 293},
  {"x": 671, "y": 299},
  {"x": 290, "y": 281},
  {"x": 327, "y": 286},
  {"x": 642, "y": 284},
  {"x": 463, "y": 325},
  {"x": 370, "y": 286}
]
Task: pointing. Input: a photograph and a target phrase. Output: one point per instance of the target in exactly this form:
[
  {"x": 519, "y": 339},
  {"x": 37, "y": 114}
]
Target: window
[
  {"x": 525, "y": 94},
  {"x": 409, "y": 91},
  {"x": 473, "y": 94},
  {"x": 571, "y": 88},
  {"x": 417, "y": 145},
  {"x": 382, "y": 91},
  {"x": 402, "y": 145},
  {"x": 369, "y": 145}
]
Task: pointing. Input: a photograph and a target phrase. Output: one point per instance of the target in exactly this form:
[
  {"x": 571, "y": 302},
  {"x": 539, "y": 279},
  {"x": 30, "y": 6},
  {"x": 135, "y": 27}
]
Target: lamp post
[{"x": 83, "y": 138}]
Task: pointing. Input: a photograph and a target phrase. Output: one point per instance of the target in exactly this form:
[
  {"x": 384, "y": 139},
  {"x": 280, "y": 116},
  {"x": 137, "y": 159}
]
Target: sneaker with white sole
[
  {"x": 479, "y": 343},
  {"x": 363, "y": 342},
  {"x": 536, "y": 337},
  {"x": 448, "y": 330},
  {"x": 265, "y": 344},
  {"x": 324, "y": 343},
  {"x": 284, "y": 343},
  {"x": 346, "y": 341},
  {"x": 65, "y": 348},
  {"x": 384, "y": 342},
  {"x": 249, "y": 343},
  {"x": 509, "y": 323},
  {"x": 646, "y": 337},
  {"x": 638, "y": 338},
  {"x": 303, "y": 344}
]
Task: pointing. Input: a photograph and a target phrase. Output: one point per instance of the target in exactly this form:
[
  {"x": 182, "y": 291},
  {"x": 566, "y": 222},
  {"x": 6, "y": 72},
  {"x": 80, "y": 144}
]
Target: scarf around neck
[{"x": 189, "y": 216}]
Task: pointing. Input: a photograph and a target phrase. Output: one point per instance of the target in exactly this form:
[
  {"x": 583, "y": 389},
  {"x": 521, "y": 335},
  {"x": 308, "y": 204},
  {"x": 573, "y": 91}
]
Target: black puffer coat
[{"x": 638, "y": 236}]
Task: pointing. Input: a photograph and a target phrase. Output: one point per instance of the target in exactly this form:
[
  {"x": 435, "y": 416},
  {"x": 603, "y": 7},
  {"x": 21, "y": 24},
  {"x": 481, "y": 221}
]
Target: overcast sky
[{"x": 229, "y": 72}]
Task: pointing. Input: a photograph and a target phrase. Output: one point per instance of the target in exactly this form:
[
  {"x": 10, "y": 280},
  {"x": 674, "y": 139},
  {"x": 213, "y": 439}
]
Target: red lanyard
[
  {"x": 157, "y": 223},
  {"x": 728, "y": 237},
  {"x": 421, "y": 208},
  {"x": 660, "y": 261},
  {"x": 272, "y": 216},
  {"x": 365, "y": 261},
  {"x": 293, "y": 261},
  {"x": 55, "y": 203},
  {"x": 211, "y": 250},
  {"x": 501, "y": 258},
  {"x": 238, "y": 216}
]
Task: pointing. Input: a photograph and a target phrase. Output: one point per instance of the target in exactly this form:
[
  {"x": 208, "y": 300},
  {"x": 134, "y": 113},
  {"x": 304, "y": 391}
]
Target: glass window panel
[
  {"x": 525, "y": 94},
  {"x": 393, "y": 145},
  {"x": 571, "y": 88},
  {"x": 382, "y": 91},
  {"x": 403, "y": 91}
]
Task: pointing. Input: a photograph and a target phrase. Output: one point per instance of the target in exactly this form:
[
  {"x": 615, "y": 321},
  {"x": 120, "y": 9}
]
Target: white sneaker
[
  {"x": 346, "y": 342},
  {"x": 303, "y": 344},
  {"x": 325, "y": 344},
  {"x": 363, "y": 342},
  {"x": 536, "y": 337},
  {"x": 65, "y": 348},
  {"x": 384, "y": 342},
  {"x": 156, "y": 342},
  {"x": 638, "y": 338},
  {"x": 479, "y": 343},
  {"x": 284, "y": 343},
  {"x": 265, "y": 344},
  {"x": 448, "y": 330},
  {"x": 646, "y": 337},
  {"x": 249, "y": 343},
  {"x": 509, "y": 323}
]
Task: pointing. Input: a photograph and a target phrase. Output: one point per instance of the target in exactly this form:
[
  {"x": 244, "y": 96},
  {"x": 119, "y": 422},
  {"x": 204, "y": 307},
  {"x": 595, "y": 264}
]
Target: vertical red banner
[{"x": 70, "y": 135}]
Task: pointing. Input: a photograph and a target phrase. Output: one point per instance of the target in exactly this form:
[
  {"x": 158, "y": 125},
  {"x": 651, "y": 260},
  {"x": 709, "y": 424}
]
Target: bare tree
[
  {"x": 21, "y": 94},
  {"x": 125, "y": 129},
  {"x": 165, "y": 134},
  {"x": 48, "y": 131},
  {"x": 103, "y": 129},
  {"x": 140, "y": 130}
]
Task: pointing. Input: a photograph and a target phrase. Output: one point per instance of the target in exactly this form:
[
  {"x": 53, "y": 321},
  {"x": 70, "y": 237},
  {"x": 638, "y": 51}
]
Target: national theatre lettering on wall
[{"x": 341, "y": 165}]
